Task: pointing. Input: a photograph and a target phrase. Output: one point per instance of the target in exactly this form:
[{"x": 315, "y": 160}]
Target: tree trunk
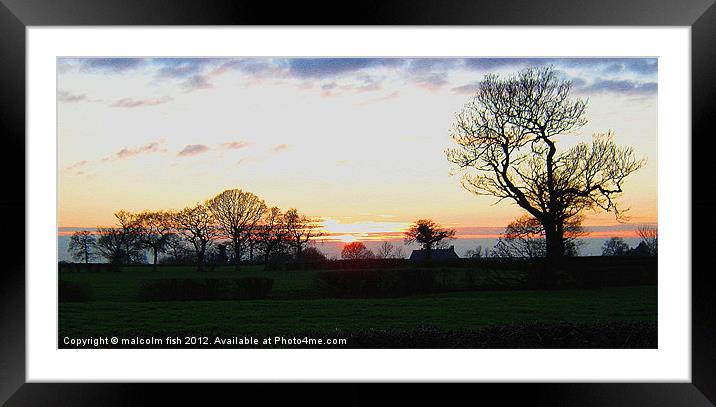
[
  {"x": 154, "y": 264},
  {"x": 266, "y": 258},
  {"x": 237, "y": 255},
  {"x": 200, "y": 262},
  {"x": 200, "y": 258},
  {"x": 554, "y": 242}
]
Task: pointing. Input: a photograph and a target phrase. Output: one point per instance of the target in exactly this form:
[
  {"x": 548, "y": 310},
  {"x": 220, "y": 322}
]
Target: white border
[{"x": 671, "y": 362}]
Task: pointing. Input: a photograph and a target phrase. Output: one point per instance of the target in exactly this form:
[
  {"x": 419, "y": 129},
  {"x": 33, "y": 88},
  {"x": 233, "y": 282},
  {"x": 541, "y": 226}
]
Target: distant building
[{"x": 436, "y": 254}]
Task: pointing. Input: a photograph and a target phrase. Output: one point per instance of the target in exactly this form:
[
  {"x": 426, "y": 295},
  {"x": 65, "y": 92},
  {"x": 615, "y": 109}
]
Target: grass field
[{"x": 294, "y": 307}]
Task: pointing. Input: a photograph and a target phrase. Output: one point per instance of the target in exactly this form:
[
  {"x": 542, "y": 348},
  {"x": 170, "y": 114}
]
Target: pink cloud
[{"x": 193, "y": 149}]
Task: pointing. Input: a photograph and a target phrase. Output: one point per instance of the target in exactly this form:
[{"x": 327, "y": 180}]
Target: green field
[{"x": 295, "y": 308}]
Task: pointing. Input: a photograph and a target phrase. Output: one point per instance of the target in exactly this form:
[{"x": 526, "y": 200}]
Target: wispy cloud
[
  {"x": 431, "y": 81},
  {"x": 131, "y": 102},
  {"x": 67, "y": 97},
  {"x": 234, "y": 145},
  {"x": 77, "y": 168},
  {"x": 127, "y": 152},
  {"x": 468, "y": 88},
  {"x": 626, "y": 87},
  {"x": 279, "y": 148},
  {"x": 193, "y": 149},
  {"x": 390, "y": 96},
  {"x": 197, "y": 82}
]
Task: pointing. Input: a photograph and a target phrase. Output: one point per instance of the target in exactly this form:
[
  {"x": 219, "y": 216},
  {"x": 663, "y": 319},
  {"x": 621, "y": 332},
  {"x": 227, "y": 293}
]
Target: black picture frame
[{"x": 16, "y": 15}]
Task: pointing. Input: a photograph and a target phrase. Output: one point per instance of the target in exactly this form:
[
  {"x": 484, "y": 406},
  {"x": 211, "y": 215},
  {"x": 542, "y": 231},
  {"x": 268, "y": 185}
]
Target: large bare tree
[
  {"x": 507, "y": 138},
  {"x": 237, "y": 212},
  {"x": 197, "y": 226}
]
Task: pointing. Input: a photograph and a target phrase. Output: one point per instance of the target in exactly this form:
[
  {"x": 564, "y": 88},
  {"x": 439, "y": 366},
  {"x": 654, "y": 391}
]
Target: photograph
[{"x": 471, "y": 202}]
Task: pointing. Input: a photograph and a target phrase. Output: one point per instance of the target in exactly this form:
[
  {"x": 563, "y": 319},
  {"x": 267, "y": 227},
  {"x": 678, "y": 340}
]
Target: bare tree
[
  {"x": 110, "y": 244},
  {"x": 237, "y": 213},
  {"x": 176, "y": 247},
  {"x": 506, "y": 140},
  {"x": 525, "y": 238},
  {"x": 196, "y": 225},
  {"x": 428, "y": 234},
  {"x": 388, "y": 250},
  {"x": 82, "y": 246},
  {"x": 301, "y": 229},
  {"x": 128, "y": 223},
  {"x": 271, "y": 232},
  {"x": 649, "y": 235},
  {"x": 356, "y": 250},
  {"x": 154, "y": 231}
]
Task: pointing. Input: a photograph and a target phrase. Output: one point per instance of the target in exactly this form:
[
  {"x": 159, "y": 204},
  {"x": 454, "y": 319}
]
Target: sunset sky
[{"x": 358, "y": 142}]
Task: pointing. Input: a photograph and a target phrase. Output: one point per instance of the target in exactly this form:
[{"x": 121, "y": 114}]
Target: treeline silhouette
[{"x": 232, "y": 226}]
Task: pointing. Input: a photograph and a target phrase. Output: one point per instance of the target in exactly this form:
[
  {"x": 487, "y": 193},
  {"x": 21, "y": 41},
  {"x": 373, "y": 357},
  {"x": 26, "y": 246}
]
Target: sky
[{"x": 358, "y": 142}]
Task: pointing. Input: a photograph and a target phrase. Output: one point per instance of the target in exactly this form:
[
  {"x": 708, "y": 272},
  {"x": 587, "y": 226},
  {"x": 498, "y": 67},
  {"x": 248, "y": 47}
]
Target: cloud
[
  {"x": 153, "y": 147},
  {"x": 391, "y": 96},
  {"x": 468, "y": 88},
  {"x": 77, "y": 167},
  {"x": 197, "y": 82},
  {"x": 431, "y": 64},
  {"x": 254, "y": 66},
  {"x": 638, "y": 66},
  {"x": 320, "y": 68},
  {"x": 626, "y": 87},
  {"x": 66, "y": 97},
  {"x": 110, "y": 65},
  {"x": 234, "y": 145},
  {"x": 193, "y": 149},
  {"x": 279, "y": 148},
  {"x": 131, "y": 102},
  {"x": 179, "y": 68},
  {"x": 431, "y": 81}
]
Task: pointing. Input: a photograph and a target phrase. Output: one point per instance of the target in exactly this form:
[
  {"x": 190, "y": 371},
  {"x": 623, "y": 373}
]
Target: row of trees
[{"x": 234, "y": 224}]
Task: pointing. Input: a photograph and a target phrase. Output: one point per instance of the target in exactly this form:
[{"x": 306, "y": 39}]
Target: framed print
[{"x": 419, "y": 197}]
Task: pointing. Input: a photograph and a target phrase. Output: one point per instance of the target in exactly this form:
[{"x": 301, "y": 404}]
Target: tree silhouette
[
  {"x": 616, "y": 246},
  {"x": 300, "y": 230},
  {"x": 506, "y": 140},
  {"x": 237, "y": 213},
  {"x": 155, "y": 229},
  {"x": 110, "y": 244},
  {"x": 356, "y": 250},
  {"x": 82, "y": 246},
  {"x": 649, "y": 236},
  {"x": 524, "y": 237},
  {"x": 428, "y": 234},
  {"x": 271, "y": 232},
  {"x": 388, "y": 250},
  {"x": 196, "y": 225},
  {"x": 131, "y": 231}
]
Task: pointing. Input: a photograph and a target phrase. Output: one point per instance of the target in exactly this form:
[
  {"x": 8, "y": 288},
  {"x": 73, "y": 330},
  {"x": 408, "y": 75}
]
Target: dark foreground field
[{"x": 607, "y": 317}]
